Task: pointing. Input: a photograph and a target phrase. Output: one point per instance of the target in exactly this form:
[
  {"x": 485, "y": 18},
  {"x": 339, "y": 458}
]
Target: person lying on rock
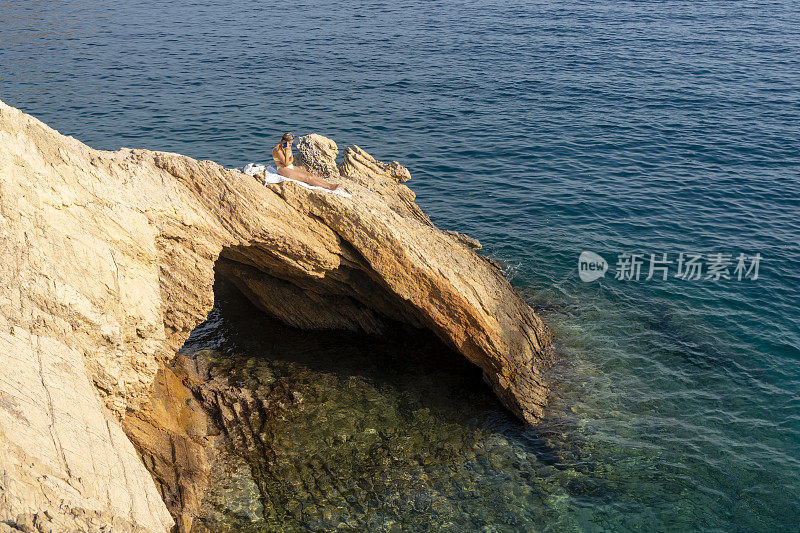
[{"x": 282, "y": 154}]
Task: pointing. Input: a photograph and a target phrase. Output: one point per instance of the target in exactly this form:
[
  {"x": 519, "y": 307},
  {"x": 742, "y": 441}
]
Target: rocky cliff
[{"x": 108, "y": 263}]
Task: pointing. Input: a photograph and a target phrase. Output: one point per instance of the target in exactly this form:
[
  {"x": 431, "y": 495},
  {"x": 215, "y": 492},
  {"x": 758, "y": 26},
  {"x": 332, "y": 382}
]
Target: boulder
[{"x": 317, "y": 154}]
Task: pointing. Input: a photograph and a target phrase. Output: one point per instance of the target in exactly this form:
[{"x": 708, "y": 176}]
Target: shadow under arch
[{"x": 260, "y": 425}]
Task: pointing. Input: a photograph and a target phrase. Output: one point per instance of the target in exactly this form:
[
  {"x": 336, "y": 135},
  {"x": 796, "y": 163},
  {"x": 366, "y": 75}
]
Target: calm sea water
[{"x": 543, "y": 129}]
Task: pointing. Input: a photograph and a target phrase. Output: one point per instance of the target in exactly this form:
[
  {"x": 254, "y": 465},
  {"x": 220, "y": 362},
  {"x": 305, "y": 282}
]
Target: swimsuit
[{"x": 278, "y": 164}]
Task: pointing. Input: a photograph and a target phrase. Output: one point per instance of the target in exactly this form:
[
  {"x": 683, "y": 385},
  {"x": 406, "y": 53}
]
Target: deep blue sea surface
[{"x": 543, "y": 129}]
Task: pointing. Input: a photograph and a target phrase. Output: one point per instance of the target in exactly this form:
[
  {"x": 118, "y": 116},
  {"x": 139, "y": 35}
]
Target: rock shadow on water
[{"x": 321, "y": 430}]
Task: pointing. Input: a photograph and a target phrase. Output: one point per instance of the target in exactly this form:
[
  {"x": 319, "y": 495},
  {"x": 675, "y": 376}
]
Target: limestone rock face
[
  {"x": 171, "y": 434},
  {"x": 108, "y": 263},
  {"x": 65, "y": 462},
  {"x": 384, "y": 179}
]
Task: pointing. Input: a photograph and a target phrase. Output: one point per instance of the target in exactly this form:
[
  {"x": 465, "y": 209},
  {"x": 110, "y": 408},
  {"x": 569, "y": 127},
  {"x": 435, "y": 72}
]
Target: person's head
[{"x": 287, "y": 138}]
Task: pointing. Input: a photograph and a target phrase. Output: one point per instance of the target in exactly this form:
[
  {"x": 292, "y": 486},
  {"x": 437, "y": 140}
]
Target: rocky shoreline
[{"x": 110, "y": 262}]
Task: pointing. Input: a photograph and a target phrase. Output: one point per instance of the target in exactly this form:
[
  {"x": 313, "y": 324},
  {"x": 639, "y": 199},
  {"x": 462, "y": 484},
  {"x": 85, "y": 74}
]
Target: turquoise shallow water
[{"x": 543, "y": 129}]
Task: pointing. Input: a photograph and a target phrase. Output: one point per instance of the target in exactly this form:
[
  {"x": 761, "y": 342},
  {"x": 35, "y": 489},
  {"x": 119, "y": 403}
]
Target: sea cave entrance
[
  {"x": 313, "y": 429},
  {"x": 263, "y": 426}
]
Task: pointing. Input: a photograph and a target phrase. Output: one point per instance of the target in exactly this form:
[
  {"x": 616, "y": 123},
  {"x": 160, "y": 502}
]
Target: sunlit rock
[{"x": 109, "y": 263}]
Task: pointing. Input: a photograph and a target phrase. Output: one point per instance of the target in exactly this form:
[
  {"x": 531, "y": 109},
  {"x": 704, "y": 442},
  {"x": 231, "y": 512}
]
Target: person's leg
[
  {"x": 313, "y": 179},
  {"x": 306, "y": 177}
]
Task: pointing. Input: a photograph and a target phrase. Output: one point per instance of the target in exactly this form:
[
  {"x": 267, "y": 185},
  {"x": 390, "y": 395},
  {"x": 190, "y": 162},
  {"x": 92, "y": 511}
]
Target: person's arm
[
  {"x": 289, "y": 154},
  {"x": 280, "y": 155}
]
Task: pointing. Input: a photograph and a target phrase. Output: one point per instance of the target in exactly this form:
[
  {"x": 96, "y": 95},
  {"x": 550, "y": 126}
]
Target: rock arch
[{"x": 111, "y": 258}]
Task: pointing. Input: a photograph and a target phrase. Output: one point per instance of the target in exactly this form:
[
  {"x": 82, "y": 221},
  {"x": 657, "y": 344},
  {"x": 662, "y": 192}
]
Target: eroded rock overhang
[{"x": 350, "y": 263}]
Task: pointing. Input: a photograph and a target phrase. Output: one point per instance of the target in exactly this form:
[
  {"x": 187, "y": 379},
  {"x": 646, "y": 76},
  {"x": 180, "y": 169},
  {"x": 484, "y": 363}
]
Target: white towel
[
  {"x": 270, "y": 177},
  {"x": 251, "y": 169}
]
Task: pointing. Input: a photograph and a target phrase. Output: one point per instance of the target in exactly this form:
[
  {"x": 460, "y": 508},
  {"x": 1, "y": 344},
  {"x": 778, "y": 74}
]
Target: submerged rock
[{"x": 109, "y": 263}]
